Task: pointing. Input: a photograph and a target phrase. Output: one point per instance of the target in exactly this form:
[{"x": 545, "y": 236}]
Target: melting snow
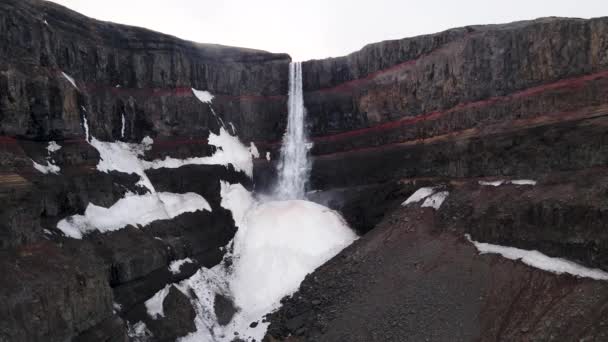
[
  {"x": 122, "y": 128},
  {"x": 493, "y": 183},
  {"x": 523, "y": 182},
  {"x": 154, "y": 305},
  {"x": 48, "y": 168},
  {"x": 229, "y": 151},
  {"x": 138, "y": 332},
  {"x": 419, "y": 195},
  {"x": 435, "y": 200},
  {"x": 176, "y": 265},
  {"x": 203, "y": 95},
  {"x": 277, "y": 244},
  {"x": 538, "y": 260},
  {"x": 514, "y": 182},
  {"x": 254, "y": 150},
  {"x": 136, "y": 210},
  {"x": 123, "y": 157},
  {"x": 85, "y": 124},
  {"x": 70, "y": 79},
  {"x": 53, "y": 147}
]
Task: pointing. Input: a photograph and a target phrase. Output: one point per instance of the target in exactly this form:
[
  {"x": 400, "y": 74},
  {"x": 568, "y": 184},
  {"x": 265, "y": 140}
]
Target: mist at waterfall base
[{"x": 280, "y": 239}]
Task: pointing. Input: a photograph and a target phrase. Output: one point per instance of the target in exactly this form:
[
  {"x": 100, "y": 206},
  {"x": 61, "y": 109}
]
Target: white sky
[{"x": 308, "y": 29}]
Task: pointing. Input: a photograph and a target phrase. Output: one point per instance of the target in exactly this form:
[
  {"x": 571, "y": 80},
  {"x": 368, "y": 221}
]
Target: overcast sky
[{"x": 310, "y": 29}]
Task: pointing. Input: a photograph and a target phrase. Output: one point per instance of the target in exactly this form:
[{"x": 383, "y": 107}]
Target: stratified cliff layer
[
  {"x": 68, "y": 78},
  {"x": 481, "y": 103}
]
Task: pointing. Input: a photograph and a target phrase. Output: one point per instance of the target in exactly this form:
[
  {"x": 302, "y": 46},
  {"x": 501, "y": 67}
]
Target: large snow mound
[
  {"x": 136, "y": 210},
  {"x": 277, "y": 244}
]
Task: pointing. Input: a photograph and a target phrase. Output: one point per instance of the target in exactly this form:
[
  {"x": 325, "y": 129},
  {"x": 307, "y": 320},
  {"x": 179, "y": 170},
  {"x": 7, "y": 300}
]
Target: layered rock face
[
  {"x": 465, "y": 111},
  {"x": 68, "y": 78},
  {"x": 525, "y": 99}
]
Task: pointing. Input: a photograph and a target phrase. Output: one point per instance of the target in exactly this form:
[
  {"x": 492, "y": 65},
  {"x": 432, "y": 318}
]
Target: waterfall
[{"x": 294, "y": 166}]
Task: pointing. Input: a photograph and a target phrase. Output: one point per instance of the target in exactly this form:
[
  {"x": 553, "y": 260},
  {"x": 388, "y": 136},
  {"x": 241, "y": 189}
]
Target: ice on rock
[
  {"x": 254, "y": 150},
  {"x": 70, "y": 79},
  {"x": 53, "y": 147},
  {"x": 435, "y": 200},
  {"x": 124, "y": 157},
  {"x": 514, "y": 182},
  {"x": 48, "y": 168},
  {"x": 419, "y": 195},
  {"x": 538, "y": 260},
  {"x": 203, "y": 95},
  {"x": 154, "y": 305},
  {"x": 230, "y": 151},
  {"x": 136, "y": 210},
  {"x": 176, "y": 265}
]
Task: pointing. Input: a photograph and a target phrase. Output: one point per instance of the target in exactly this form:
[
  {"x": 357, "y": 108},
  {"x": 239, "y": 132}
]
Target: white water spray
[{"x": 294, "y": 165}]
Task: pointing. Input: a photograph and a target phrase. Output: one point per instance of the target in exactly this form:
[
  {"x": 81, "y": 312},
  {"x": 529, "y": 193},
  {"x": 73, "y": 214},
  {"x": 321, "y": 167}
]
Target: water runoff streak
[{"x": 294, "y": 165}]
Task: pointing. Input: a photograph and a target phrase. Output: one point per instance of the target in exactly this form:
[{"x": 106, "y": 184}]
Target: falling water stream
[{"x": 294, "y": 165}]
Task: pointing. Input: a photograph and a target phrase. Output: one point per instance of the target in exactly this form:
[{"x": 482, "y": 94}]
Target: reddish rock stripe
[
  {"x": 500, "y": 128},
  {"x": 178, "y": 92},
  {"x": 570, "y": 83}
]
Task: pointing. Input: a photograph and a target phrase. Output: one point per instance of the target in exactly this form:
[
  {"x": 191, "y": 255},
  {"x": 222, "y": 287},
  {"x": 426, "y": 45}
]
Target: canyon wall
[
  {"x": 128, "y": 83},
  {"x": 526, "y": 99}
]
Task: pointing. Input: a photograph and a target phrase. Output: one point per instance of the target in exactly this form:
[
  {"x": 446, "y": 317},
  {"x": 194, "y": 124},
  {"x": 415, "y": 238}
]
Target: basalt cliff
[{"x": 467, "y": 111}]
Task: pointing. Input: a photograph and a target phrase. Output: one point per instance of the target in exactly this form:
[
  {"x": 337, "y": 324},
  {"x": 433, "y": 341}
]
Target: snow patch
[
  {"x": 419, "y": 195},
  {"x": 538, "y": 260},
  {"x": 123, "y": 157},
  {"x": 85, "y": 125},
  {"x": 514, "y": 182},
  {"x": 53, "y": 147},
  {"x": 523, "y": 182},
  {"x": 122, "y": 128},
  {"x": 176, "y": 265},
  {"x": 154, "y": 305},
  {"x": 70, "y": 79},
  {"x": 229, "y": 151},
  {"x": 435, "y": 200},
  {"x": 492, "y": 183},
  {"x": 138, "y": 332},
  {"x": 203, "y": 95},
  {"x": 254, "y": 150},
  {"x": 136, "y": 210},
  {"x": 46, "y": 169}
]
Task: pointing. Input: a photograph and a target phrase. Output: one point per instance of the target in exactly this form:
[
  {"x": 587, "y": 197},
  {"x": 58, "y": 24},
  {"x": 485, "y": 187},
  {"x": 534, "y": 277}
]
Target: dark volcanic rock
[
  {"x": 403, "y": 281},
  {"x": 178, "y": 320},
  {"x": 49, "y": 293},
  {"x": 120, "y": 70},
  {"x": 224, "y": 309}
]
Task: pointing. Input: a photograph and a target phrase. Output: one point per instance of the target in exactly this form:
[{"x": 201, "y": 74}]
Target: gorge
[{"x": 503, "y": 125}]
